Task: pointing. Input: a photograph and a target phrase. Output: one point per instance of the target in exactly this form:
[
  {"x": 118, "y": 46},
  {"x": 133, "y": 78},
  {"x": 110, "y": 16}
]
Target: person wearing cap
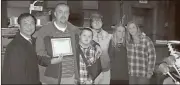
[{"x": 103, "y": 38}]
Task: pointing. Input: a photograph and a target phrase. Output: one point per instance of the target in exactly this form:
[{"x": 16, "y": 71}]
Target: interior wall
[
  {"x": 4, "y": 19},
  {"x": 16, "y": 11},
  {"x": 106, "y": 9},
  {"x": 76, "y": 14}
]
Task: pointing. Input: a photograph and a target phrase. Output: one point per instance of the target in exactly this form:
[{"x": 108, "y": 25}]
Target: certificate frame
[{"x": 61, "y": 45}]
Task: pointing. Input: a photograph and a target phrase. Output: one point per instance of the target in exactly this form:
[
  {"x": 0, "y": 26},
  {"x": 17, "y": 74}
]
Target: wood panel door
[{"x": 144, "y": 18}]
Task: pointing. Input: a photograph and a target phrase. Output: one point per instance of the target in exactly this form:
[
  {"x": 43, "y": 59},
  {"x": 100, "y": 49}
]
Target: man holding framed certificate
[{"x": 57, "y": 37}]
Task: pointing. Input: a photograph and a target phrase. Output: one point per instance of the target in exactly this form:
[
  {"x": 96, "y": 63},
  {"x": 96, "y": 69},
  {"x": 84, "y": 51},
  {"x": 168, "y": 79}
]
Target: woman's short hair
[{"x": 25, "y": 15}]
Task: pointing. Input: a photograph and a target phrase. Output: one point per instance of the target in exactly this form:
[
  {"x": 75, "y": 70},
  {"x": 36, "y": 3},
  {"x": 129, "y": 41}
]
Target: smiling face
[
  {"x": 120, "y": 32},
  {"x": 86, "y": 37},
  {"x": 27, "y": 26},
  {"x": 96, "y": 23},
  {"x": 132, "y": 28},
  {"x": 62, "y": 13}
]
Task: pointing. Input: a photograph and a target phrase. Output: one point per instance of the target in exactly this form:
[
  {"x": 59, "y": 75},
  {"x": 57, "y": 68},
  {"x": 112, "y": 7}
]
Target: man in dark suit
[{"x": 21, "y": 61}]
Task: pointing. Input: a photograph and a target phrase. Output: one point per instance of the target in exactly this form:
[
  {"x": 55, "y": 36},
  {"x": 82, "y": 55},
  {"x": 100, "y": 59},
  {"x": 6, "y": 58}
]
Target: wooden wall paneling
[
  {"x": 4, "y": 18},
  {"x": 16, "y": 3},
  {"x": 171, "y": 21},
  {"x": 52, "y": 4},
  {"x": 76, "y": 12},
  {"x": 106, "y": 9}
]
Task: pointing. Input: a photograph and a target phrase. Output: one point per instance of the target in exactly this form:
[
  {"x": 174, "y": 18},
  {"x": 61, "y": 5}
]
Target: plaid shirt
[
  {"x": 89, "y": 54},
  {"x": 141, "y": 57}
]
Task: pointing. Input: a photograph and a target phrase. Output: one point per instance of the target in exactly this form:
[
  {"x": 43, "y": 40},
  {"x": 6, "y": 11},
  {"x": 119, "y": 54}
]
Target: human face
[
  {"x": 62, "y": 14},
  {"x": 96, "y": 23},
  {"x": 120, "y": 32},
  {"x": 86, "y": 37},
  {"x": 27, "y": 26},
  {"x": 133, "y": 30}
]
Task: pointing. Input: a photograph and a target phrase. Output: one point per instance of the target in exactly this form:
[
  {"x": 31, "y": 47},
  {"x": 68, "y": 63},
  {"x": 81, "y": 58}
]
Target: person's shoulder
[
  {"x": 144, "y": 36},
  {"x": 44, "y": 29},
  {"x": 47, "y": 26},
  {"x": 14, "y": 44},
  {"x": 147, "y": 39},
  {"x": 73, "y": 27},
  {"x": 106, "y": 34}
]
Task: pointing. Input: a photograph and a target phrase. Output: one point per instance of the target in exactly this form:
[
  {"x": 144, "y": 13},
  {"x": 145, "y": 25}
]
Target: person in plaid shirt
[
  {"x": 89, "y": 51},
  {"x": 141, "y": 55}
]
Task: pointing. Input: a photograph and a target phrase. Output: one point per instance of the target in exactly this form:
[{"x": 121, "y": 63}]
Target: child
[{"x": 88, "y": 51}]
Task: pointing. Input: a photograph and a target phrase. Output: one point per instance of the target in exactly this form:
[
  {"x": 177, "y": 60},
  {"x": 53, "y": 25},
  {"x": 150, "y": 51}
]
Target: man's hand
[
  {"x": 57, "y": 60},
  {"x": 98, "y": 52}
]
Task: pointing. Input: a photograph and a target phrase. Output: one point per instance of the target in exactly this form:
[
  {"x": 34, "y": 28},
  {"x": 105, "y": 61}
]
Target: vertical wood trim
[
  {"x": 155, "y": 18},
  {"x": 171, "y": 21},
  {"x": 4, "y": 18}
]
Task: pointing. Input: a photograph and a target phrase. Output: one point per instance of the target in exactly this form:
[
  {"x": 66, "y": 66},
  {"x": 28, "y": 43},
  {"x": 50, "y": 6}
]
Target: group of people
[{"x": 127, "y": 55}]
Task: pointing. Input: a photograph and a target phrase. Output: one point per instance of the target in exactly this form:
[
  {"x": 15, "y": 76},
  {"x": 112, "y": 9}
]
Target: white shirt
[
  {"x": 60, "y": 28},
  {"x": 27, "y": 38}
]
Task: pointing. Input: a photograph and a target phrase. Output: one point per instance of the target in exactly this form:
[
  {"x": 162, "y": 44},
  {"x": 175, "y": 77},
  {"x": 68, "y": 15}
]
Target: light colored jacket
[{"x": 103, "y": 38}]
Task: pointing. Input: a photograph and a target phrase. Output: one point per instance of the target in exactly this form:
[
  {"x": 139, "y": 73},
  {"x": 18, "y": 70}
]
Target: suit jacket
[{"x": 21, "y": 62}]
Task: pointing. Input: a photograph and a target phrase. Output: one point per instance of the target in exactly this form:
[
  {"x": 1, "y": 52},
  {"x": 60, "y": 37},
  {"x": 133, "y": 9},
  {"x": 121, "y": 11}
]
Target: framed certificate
[{"x": 61, "y": 46}]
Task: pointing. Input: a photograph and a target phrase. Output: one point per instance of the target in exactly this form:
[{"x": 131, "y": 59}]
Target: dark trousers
[
  {"x": 123, "y": 82},
  {"x": 138, "y": 80}
]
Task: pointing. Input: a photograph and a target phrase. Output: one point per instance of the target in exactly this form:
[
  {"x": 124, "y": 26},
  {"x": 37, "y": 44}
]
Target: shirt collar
[
  {"x": 101, "y": 34},
  {"x": 98, "y": 32},
  {"x": 60, "y": 28},
  {"x": 90, "y": 46},
  {"x": 27, "y": 38}
]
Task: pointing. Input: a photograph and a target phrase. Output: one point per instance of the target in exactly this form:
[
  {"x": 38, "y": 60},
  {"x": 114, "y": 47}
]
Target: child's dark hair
[{"x": 86, "y": 28}]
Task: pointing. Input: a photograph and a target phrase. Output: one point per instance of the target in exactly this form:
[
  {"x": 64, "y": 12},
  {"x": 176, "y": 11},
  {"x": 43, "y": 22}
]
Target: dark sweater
[
  {"x": 55, "y": 70},
  {"x": 119, "y": 62}
]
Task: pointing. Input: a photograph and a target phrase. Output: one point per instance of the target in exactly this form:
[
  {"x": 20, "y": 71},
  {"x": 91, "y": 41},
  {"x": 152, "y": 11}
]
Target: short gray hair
[{"x": 61, "y": 4}]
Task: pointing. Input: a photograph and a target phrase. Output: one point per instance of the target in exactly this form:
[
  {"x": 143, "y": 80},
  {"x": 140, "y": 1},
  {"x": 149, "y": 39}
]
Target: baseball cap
[{"x": 96, "y": 15}]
